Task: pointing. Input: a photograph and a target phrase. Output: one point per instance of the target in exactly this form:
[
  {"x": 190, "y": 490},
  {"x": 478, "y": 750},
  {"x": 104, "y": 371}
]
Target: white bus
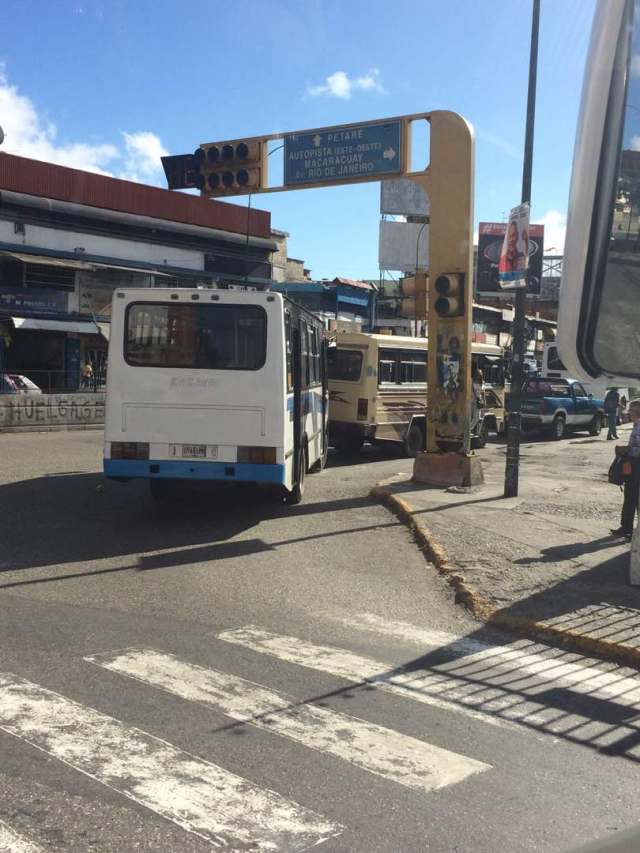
[{"x": 219, "y": 385}]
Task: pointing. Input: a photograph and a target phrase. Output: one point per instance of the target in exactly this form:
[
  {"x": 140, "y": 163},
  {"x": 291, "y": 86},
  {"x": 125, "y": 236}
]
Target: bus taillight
[
  {"x": 257, "y": 455},
  {"x": 129, "y": 450}
]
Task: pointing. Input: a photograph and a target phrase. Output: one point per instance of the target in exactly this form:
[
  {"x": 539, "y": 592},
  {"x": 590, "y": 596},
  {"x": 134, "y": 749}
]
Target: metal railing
[{"x": 51, "y": 381}]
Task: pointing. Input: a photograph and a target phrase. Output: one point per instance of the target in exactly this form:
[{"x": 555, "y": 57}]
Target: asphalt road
[{"x": 218, "y": 674}]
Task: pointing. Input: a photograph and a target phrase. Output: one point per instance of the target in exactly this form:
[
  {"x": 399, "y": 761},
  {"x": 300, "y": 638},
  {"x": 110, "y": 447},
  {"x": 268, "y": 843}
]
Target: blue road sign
[{"x": 356, "y": 151}]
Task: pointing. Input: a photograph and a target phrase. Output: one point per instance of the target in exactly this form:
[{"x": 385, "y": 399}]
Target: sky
[{"x": 112, "y": 85}]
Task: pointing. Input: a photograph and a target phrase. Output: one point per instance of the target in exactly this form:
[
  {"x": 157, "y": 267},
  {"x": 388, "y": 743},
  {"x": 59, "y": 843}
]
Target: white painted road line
[
  {"x": 515, "y": 657},
  {"x": 226, "y": 810},
  {"x": 11, "y": 842},
  {"x": 389, "y": 754},
  {"x": 353, "y": 667}
]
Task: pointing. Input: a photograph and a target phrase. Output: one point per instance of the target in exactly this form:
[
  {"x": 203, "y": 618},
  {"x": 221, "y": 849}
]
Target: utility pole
[{"x": 518, "y": 346}]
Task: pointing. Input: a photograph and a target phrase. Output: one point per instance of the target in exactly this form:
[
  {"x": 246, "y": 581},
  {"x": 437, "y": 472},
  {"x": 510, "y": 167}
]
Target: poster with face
[{"x": 514, "y": 257}]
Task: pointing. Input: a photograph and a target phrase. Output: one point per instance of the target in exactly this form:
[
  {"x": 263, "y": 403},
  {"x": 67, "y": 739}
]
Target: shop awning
[
  {"x": 31, "y": 324},
  {"x": 105, "y": 328},
  {"x": 72, "y": 263},
  {"x": 50, "y": 262}
]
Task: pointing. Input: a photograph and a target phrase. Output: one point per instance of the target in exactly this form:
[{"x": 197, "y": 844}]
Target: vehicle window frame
[
  {"x": 399, "y": 358},
  {"x": 185, "y": 306},
  {"x": 349, "y": 351}
]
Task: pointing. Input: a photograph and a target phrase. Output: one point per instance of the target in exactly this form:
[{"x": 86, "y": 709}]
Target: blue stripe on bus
[
  {"x": 311, "y": 402},
  {"x": 194, "y": 470}
]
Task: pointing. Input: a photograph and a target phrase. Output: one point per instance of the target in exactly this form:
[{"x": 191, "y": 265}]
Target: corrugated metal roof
[
  {"x": 352, "y": 282},
  {"x": 20, "y": 174}
]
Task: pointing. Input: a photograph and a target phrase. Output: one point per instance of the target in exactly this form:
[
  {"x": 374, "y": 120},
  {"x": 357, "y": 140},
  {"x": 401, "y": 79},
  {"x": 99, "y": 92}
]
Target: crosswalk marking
[
  {"x": 226, "y": 810},
  {"x": 389, "y": 754},
  {"x": 505, "y": 684},
  {"x": 578, "y": 674},
  {"x": 353, "y": 667},
  {"x": 11, "y": 842}
]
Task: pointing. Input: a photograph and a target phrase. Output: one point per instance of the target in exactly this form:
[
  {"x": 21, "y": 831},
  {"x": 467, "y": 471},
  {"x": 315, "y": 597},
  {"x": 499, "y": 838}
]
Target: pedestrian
[
  {"x": 477, "y": 397},
  {"x": 611, "y": 404},
  {"x": 622, "y": 409},
  {"x": 87, "y": 374},
  {"x": 631, "y": 455}
]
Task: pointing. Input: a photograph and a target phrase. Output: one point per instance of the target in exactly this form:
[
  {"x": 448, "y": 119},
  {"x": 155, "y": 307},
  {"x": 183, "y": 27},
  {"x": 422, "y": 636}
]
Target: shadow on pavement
[{"x": 69, "y": 518}]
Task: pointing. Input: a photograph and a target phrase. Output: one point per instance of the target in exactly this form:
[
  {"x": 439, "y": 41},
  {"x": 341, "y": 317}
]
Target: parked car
[
  {"x": 560, "y": 405},
  {"x": 24, "y": 385},
  {"x": 7, "y": 385}
]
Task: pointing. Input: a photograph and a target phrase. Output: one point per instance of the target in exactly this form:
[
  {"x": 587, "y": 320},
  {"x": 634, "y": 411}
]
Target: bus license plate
[{"x": 194, "y": 451}]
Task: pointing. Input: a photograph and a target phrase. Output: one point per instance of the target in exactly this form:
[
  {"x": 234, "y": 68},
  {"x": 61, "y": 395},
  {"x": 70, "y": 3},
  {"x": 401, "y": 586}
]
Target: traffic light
[
  {"x": 229, "y": 168},
  {"x": 414, "y": 292},
  {"x": 449, "y": 288}
]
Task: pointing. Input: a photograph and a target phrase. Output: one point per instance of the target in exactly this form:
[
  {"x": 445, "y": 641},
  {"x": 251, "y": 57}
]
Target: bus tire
[
  {"x": 320, "y": 463},
  {"x": 296, "y": 494},
  {"x": 413, "y": 441}
]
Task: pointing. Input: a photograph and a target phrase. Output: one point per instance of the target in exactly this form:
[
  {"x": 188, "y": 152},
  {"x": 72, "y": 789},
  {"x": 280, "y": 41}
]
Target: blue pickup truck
[{"x": 560, "y": 405}]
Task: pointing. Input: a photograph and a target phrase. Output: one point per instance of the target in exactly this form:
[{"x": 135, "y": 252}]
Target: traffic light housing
[
  {"x": 449, "y": 295},
  {"x": 230, "y": 168}
]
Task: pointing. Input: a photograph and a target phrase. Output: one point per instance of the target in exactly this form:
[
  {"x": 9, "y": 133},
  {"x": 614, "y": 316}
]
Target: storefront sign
[{"x": 33, "y": 299}]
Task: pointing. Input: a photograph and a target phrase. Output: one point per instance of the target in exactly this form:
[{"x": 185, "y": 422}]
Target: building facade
[{"x": 68, "y": 238}]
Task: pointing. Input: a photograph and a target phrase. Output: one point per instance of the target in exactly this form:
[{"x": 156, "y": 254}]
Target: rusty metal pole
[{"x": 512, "y": 467}]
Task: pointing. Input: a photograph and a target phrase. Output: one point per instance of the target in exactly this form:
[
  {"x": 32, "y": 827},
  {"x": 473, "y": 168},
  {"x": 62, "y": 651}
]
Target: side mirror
[
  {"x": 590, "y": 396},
  {"x": 599, "y": 307}
]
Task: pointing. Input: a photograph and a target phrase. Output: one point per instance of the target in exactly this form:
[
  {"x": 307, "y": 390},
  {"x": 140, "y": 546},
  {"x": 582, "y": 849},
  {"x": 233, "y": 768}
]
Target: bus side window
[
  {"x": 413, "y": 366},
  {"x": 313, "y": 356},
  {"x": 288, "y": 350},
  {"x": 388, "y": 367},
  {"x": 304, "y": 353}
]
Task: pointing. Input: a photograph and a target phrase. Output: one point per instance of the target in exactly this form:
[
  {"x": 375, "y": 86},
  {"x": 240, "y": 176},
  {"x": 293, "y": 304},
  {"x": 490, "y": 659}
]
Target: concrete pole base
[{"x": 447, "y": 469}]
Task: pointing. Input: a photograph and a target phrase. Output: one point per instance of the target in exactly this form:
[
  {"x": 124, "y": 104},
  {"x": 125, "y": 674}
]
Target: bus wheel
[
  {"x": 413, "y": 441},
  {"x": 297, "y": 492},
  {"x": 320, "y": 463}
]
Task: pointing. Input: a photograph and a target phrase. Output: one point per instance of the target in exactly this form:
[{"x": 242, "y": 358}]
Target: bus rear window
[
  {"x": 205, "y": 337},
  {"x": 344, "y": 364}
]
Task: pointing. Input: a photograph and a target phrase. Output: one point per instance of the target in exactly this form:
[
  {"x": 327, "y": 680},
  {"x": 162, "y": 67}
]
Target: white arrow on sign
[
  {"x": 389, "y": 153},
  {"x": 317, "y": 139}
]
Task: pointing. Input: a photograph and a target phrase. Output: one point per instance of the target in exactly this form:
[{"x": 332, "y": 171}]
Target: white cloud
[
  {"x": 340, "y": 85},
  {"x": 143, "y": 151},
  {"x": 555, "y": 229},
  {"x": 634, "y": 145},
  {"x": 499, "y": 142},
  {"x": 29, "y": 134}
]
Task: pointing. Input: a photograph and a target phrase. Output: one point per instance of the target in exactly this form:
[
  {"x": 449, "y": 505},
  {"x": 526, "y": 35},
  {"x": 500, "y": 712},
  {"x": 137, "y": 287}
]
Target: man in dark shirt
[{"x": 611, "y": 403}]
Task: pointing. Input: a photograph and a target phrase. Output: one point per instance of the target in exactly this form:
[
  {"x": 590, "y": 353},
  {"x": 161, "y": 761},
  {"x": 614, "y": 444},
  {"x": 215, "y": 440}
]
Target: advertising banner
[
  {"x": 513, "y": 266},
  {"x": 491, "y": 238}
]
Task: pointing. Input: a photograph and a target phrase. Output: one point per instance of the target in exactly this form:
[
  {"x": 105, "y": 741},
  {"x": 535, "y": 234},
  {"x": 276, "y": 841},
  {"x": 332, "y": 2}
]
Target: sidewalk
[{"x": 545, "y": 562}]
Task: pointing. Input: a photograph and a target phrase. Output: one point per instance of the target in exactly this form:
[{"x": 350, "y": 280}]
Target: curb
[{"x": 482, "y": 609}]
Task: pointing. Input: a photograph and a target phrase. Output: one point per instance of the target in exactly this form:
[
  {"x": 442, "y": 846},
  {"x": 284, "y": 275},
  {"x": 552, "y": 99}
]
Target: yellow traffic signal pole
[
  {"x": 449, "y": 187},
  {"x": 241, "y": 166}
]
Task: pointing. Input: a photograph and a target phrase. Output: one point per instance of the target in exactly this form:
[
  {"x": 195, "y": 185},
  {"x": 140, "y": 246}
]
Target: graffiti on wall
[{"x": 50, "y": 410}]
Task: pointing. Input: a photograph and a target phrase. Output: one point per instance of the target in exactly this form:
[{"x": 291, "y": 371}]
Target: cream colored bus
[{"x": 378, "y": 389}]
